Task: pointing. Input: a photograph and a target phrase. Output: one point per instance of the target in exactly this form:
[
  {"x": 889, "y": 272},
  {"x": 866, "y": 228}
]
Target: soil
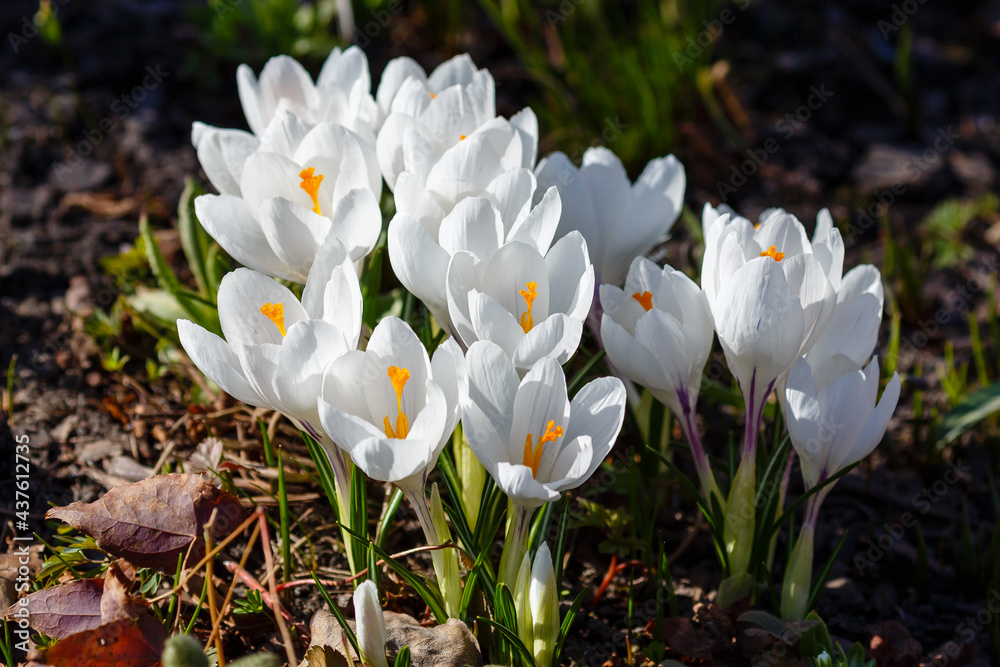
[{"x": 96, "y": 132}]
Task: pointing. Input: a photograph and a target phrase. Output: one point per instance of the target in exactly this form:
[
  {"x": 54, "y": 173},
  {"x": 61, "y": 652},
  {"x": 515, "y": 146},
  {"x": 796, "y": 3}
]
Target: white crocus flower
[
  {"x": 831, "y": 426},
  {"x": 619, "y": 219},
  {"x": 421, "y": 252},
  {"x": 369, "y": 623},
  {"x": 658, "y": 333},
  {"x": 771, "y": 298},
  {"x": 458, "y": 71},
  {"x": 302, "y": 185},
  {"x": 849, "y": 339},
  {"x": 341, "y": 93},
  {"x": 392, "y": 409},
  {"x": 529, "y": 299},
  {"x": 276, "y": 347},
  {"x": 424, "y": 117},
  {"x": 531, "y": 438}
]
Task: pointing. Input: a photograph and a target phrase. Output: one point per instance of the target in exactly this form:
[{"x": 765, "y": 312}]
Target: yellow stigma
[
  {"x": 276, "y": 313},
  {"x": 310, "y": 183},
  {"x": 527, "y": 322},
  {"x": 461, "y": 137},
  {"x": 398, "y": 377},
  {"x": 645, "y": 299},
  {"x": 433, "y": 96},
  {"x": 533, "y": 456},
  {"x": 773, "y": 254}
]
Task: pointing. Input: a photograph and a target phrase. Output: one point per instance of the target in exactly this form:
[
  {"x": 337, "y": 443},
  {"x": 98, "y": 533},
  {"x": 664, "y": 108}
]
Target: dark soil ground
[{"x": 96, "y": 132}]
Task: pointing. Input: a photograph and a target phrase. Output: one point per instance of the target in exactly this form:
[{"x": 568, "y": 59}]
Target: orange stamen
[
  {"x": 645, "y": 299},
  {"x": 533, "y": 456},
  {"x": 773, "y": 254},
  {"x": 276, "y": 313},
  {"x": 310, "y": 183},
  {"x": 398, "y": 377},
  {"x": 527, "y": 322}
]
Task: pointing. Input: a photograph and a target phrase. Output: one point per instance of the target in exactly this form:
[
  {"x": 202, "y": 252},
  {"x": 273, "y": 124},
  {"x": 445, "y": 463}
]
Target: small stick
[
  {"x": 232, "y": 587},
  {"x": 265, "y": 540},
  {"x": 213, "y": 610}
]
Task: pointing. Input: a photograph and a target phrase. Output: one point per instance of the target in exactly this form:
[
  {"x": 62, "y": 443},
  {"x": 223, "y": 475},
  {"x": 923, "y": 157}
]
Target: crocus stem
[
  {"x": 515, "y": 542},
  {"x": 701, "y": 464},
  {"x": 445, "y": 560},
  {"x": 341, "y": 466}
]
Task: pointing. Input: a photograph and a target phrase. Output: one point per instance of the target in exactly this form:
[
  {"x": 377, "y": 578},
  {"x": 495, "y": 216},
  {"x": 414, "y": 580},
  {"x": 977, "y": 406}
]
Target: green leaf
[
  {"x": 970, "y": 410},
  {"x": 403, "y": 657},
  {"x": 324, "y": 470},
  {"x": 425, "y": 592},
  {"x": 511, "y": 639},
  {"x": 200, "y": 311},
  {"x": 382, "y": 532},
  {"x": 815, "y": 640},
  {"x": 825, "y": 572},
  {"x": 359, "y": 513},
  {"x": 335, "y": 610},
  {"x": 195, "y": 241},
  {"x": 566, "y": 625}
]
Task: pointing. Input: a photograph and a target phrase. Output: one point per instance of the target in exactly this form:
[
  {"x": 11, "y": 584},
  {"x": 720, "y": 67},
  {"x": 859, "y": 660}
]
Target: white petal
[
  {"x": 598, "y": 411},
  {"x": 241, "y": 295},
  {"x": 217, "y": 361},
  {"x": 571, "y": 277},
  {"x": 295, "y": 233},
  {"x": 557, "y": 338},
  {"x": 492, "y": 322},
  {"x": 229, "y": 221}
]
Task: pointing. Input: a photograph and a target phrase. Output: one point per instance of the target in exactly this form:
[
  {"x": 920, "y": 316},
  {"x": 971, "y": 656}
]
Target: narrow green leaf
[
  {"x": 425, "y": 592},
  {"x": 335, "y": 610},
  {"x": 510, "y": 638},
  {"x": 567, "y": 624},
  {"x": 970, "y": 410},
  {"x": 194, "y": 240},
  {"x": 382, "y": 532}
]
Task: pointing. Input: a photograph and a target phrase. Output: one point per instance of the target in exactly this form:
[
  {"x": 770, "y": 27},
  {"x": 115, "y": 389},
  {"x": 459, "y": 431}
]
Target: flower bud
[
  {"x": 522, "y": 604},
  {"x": 543, "y": 597},
  {"x": 445, "y": 560},
  {"x": 370, "y": 625},
  {"x": 798, "y": 577}
]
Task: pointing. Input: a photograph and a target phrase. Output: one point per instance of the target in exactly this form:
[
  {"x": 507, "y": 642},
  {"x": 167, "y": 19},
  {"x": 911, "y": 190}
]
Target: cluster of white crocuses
[{"x": 507, "y": 255}]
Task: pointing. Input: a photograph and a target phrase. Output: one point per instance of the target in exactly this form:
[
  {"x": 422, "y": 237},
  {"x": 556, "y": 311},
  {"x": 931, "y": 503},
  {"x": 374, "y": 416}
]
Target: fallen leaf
[
  {"x": 136, "y": 643},
  {"x": 116, "y": 603},
  {"x": 323, "y": 656},
  {"x": 892, "y": 645},
  {"x": 152, "y": 522},
  {"x": 66, "y": 609}
]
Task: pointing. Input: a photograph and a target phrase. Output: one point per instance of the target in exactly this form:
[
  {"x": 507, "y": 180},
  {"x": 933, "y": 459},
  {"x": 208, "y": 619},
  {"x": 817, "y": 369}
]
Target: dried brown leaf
[
  {"x": 152, "y": 522},
  {"x": 66, "y": 609},
  {"x": 137, "y": 643}
]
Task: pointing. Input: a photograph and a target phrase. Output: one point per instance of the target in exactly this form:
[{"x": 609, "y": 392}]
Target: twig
[
  {"x": 232, "y": 587},
  {"x": 212, "y": 609},
  {"x": 268, "y": 561}
]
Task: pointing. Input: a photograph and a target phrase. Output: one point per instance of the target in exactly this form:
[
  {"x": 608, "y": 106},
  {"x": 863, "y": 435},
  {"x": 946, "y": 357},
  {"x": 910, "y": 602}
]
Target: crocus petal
[
  {"x": 229, "y": 221},
  {"x": 241, "y": 295},
  {"x": 218, "y": 362},
  {"x": 516, "y": 482},
  {"x": 557, "y": 337}
]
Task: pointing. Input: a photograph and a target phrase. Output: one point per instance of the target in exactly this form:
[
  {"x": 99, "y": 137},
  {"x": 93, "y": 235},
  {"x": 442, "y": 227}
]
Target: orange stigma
[
  {"x": 276, "y": 313},
  {"x": 533, "y": 456},
  {"x": 310, "y": 183},
  {"x": 398, "y": 377},
  {"x": 461, "y": 137},
  {"x": 773, "y": 254},
  {"x": 645, "y": 300},
  {"x": 527, "y": 322},
  {"x": 433, "y": 96}
]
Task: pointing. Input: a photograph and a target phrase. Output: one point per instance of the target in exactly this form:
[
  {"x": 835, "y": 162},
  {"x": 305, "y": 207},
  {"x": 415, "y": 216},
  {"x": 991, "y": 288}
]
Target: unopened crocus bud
[
  {"x": 522, "y": 603},
  {"x": 445, "y": 560},
  {"x": 738, "y": 533},
  {"x": 798, "y": 577},
  {"x": 370, "y": 625},
  {"x": 473, "y": 477},
  {"x": 543, "y": 597}
]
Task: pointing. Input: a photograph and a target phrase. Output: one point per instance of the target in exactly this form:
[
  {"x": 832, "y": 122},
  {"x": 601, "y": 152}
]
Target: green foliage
[
  {"x": 611, "y": 73},
  {"x": 253, "y": 603}
]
